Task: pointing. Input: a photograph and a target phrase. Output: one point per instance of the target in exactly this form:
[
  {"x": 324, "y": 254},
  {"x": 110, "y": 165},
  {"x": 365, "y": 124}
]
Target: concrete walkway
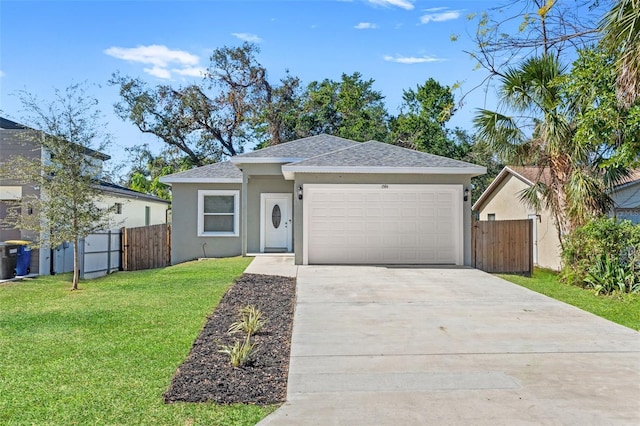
[{"x": 393, "y": 346}]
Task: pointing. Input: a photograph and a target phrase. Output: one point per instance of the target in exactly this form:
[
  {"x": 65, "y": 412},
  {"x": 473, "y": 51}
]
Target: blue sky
[{"x": 398, "y": 43}]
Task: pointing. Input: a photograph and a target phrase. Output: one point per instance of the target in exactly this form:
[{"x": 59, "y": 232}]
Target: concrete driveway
[{"x": 405, "y": 346}]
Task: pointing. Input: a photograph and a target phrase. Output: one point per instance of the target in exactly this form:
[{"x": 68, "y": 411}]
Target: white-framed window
[
  {"x": 491, "y": 216},
  {"x": 218, "y": 213}
]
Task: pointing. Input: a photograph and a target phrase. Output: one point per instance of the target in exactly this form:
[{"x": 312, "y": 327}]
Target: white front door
[{"x": 276, "y": 223}]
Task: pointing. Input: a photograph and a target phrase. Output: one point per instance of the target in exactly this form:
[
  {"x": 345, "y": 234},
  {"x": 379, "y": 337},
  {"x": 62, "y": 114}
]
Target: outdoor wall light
[
  {"x": 466, "y": 194},
  {"x": 300, "y": 192}
]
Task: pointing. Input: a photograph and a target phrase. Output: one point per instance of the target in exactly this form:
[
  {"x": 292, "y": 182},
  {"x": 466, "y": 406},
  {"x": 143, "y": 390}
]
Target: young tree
[{"x": 70, "y": 129}]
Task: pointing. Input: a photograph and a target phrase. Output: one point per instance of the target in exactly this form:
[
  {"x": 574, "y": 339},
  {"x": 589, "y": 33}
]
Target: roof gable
[
  {"x": 223, "y": 172},
  {"x": 297, "y": 150},
  {"x": 378, "y": 157}
]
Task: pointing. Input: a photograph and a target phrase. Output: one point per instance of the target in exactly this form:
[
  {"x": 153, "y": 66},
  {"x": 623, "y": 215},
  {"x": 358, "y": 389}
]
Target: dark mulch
[{"x": 207, "y": 375}]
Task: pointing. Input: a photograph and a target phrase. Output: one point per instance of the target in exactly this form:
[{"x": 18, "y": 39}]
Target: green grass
[
  {"x": 620, "y": 308},
  {"x": 106, "y": 353}
]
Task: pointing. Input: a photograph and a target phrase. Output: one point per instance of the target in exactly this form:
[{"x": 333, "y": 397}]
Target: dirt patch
[{"x": 207, "y": 375}]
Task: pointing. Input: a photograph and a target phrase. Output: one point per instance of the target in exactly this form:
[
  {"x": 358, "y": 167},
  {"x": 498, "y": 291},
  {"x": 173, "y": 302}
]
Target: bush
[
  {"x": 250, "y": 321},
  {"x": 603, "y": 255}
]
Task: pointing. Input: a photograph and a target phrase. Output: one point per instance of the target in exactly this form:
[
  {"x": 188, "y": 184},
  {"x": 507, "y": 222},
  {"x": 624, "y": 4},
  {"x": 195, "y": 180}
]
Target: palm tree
[
  {"x": 621, "y": 27},
  {"x": 540, "y": 133}
]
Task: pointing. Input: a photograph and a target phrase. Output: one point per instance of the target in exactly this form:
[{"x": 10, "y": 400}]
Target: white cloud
[
  {"x": 365, "y": 26},
  {"x": 438, "y": 15},
  {"x": 159, "y": 72},
  {"x": 252, "y": 38},
  {"x": 154, "y": 54},
  {"x": 404, "y": 4},
  {"x": 160, "y": 57},
  {"x": 190, "y": 71},
  {"x": 412, "y": 59},
  {"x": 2, "y": 74}
]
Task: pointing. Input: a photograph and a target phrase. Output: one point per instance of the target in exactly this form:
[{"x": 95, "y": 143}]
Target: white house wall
[{"x": 133, "y": 211}]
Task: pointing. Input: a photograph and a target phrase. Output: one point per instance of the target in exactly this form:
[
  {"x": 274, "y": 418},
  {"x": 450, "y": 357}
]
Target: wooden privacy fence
[
  {"x": 146, "y": 247},
  {"x": 504, "y": 246}
]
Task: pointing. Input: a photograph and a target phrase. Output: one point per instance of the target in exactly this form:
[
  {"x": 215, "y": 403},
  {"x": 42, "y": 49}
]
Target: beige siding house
[
  {"x": 501, "y": 201},
  {"x": 326, "y": 200}
]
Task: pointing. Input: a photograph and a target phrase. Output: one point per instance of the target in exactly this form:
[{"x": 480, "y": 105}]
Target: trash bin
[
  {"x": 8, "y": 260},
  {"x": 23, "y": 262}
]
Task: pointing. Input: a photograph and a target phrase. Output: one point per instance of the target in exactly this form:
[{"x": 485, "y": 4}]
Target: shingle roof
[
  {"x": 378, "y": 157},
  {"x": 296, "y": 150},
  {"x": 121, "y": 190},
  {"x": 223, "y": 172}
]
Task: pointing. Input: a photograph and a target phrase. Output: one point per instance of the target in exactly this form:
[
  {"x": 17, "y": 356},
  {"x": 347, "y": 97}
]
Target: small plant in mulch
[
  {"x": 239, "y": 354},
  {"x": 208, "y": 375},
  {"x": 249, "y": 323}
]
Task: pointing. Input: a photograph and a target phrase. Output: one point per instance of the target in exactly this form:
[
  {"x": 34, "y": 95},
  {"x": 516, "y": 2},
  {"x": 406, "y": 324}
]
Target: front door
[{"x": 276, "y": 223}]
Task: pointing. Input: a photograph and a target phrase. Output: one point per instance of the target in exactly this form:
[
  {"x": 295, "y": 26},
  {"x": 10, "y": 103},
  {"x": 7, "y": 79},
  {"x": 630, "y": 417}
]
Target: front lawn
[
  {"x": 622, "y": 309},
  {"x": 106, "y": 353}
]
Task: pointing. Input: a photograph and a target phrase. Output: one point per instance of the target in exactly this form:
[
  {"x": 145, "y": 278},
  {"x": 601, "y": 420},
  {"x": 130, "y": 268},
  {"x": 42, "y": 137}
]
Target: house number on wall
[{"x": 385, "y": 186}]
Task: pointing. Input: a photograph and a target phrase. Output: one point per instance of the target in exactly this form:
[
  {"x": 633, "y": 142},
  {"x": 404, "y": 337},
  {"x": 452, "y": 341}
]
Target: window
[
  {"x": 491, "y": 216},
  {"x": 147, "y": 215},
  {"x": 118, "y": 208},
  {"x": 218, "y": 213}
]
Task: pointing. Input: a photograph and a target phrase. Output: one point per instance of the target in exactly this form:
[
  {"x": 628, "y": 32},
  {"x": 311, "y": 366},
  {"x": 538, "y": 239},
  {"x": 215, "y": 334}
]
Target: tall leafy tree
[
  {"x": 146, "y": 169},
  {"x": 349, "y": 108},
  {"x": 71, "y": 128},
  {"x": 421, "y": 123},
  {"x": 621, "y": 28},
  {"x": 206, "y": 120},
  {"x": 541, "y": 132},
  {"x": 511, "y": 31},
  {"x": 590, "y": 87}
]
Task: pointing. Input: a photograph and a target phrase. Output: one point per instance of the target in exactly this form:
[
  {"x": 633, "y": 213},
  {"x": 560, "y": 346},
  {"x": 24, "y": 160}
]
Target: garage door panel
[{"x": 411, "y": 224}]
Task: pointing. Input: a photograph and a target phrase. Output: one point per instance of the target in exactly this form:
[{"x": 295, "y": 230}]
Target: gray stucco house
[{"x": 327, "y": 200}]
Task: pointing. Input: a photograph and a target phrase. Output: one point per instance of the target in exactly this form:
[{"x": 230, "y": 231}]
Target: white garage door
[{"x": 383, "y": 224}]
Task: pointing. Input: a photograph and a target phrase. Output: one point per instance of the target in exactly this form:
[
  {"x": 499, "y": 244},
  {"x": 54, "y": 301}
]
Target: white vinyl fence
[{"x": 99, "y": 255}]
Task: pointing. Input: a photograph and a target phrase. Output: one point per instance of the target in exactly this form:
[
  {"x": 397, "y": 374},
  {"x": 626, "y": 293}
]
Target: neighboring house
[
  {"x": 501, "y": 201},
  {"x": 327, "y": 200},
  {"x": 132, "y": 208}
]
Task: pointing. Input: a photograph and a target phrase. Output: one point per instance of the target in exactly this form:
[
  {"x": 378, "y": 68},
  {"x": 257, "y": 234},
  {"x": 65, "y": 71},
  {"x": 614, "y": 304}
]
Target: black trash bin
[
  {"x": 23, "y": 263},
  {"x": 8, "y": 260}
]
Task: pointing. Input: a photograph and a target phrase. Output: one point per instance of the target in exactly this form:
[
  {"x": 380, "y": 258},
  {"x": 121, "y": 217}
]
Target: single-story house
[
  {"x": 501, "y": 201},
  {"x": 327, "y": 200}
]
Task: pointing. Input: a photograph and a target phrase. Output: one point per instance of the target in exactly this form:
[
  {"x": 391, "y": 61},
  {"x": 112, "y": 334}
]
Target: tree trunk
[{"x": 76, "y": 271}]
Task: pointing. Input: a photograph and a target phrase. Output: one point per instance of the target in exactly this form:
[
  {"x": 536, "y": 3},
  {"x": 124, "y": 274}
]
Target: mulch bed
[{"x": 207, "y": 375}]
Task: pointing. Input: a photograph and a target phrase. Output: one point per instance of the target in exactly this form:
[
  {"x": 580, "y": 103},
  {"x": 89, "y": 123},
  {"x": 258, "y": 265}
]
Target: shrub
[
  {"x": 239, "y": 354},
  {"x": 603, "y": 255},
  {"x": 250, "y": 321}
]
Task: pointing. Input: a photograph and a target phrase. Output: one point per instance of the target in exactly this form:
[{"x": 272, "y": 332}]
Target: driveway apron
[{"x": 437, "y": 346}]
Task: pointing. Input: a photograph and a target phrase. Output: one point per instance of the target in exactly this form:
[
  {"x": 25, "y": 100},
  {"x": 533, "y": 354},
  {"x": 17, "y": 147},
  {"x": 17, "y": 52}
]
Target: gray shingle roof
[
  {"x": 121, "y": 190},
  {"x": 299, "y": 149},
  {"x": 223, "y": 172},
  {"x": 367, "y": 156}
]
